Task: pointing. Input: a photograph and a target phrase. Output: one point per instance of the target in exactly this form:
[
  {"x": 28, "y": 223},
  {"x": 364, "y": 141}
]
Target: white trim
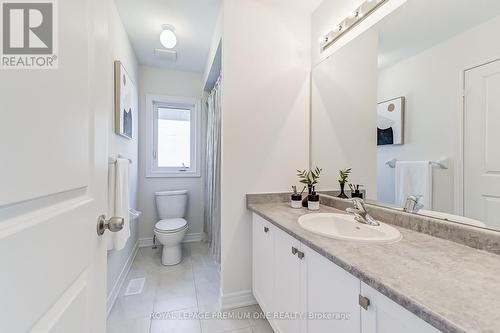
[
  {"x": 190, "y": 238},
  {"x": 113, "y": 294},
  {"x": 460, "y": 165},
  {"x": 237, "y": 300},
  {"x": 192, "y": 103}
]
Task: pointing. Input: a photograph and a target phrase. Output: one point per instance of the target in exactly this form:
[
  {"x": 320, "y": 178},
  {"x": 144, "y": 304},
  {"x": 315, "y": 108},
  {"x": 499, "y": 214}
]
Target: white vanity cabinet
[
  {"x": 263, "y": 256},
  {"x": 331, "y": 290},
  {"x": 385, "y": 316},
  {"x": 289, "y": 278},
  {"x": 288, "y": 269},
  {"x": 277, "y": 274}
]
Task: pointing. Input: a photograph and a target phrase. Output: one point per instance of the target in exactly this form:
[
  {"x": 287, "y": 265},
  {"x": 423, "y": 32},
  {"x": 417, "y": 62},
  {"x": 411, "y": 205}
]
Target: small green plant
[
  {"x": 309, "y": 177},
  {"x": 344, "y": 176},
  {"x": 296, "y": 192}
]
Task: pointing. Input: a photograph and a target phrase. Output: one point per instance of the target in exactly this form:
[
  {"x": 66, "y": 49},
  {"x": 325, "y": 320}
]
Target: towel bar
[
  {"x": 112, "y": 160},
  {"x": 441, "y": 163}
]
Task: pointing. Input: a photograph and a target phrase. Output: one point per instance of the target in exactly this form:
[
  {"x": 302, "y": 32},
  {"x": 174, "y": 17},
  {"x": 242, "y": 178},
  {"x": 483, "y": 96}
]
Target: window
[
  {"x": 174, "y": 124},
  {"x": 174, "y": 137}
]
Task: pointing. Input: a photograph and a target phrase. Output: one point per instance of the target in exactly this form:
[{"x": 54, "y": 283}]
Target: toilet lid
[{"x": 171, "y": 225}]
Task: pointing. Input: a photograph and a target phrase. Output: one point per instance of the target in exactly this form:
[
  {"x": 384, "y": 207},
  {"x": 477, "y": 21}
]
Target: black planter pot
[
  {"x": 305, "y": 200},
  {"x": 342, "y": 193}
]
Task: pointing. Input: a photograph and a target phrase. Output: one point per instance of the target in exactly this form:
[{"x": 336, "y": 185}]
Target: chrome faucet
[
  {"x": 413, "y": 204},
  {"x": 360, "y": 213}
]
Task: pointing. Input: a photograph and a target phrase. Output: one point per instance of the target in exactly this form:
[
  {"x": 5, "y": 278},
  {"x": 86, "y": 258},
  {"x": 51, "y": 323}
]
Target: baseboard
[
  {"x": 194, "y": 237},
  {"x": 113, "y": 294},
  {"x": 190, "y": 238},
  {"x": 146, "y": 242},
  {"x": 237, "y": 300}
]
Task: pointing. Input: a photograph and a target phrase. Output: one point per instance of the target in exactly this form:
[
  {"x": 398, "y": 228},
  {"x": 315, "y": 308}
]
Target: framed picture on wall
[
  {"x": 390, "y": 122},
  {"x": 125, "y": 102}
]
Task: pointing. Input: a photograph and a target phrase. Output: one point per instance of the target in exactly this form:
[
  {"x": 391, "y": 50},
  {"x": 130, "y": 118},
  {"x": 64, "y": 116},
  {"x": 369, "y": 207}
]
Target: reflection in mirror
[
  {"x": 342, "y": 123},
  {"x": 437, "y": 111}
]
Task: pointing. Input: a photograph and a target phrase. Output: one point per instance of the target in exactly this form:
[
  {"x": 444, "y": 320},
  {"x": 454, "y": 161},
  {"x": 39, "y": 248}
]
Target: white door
[
  {"x": 263, "y": 255},
  {"x": 385, "y": 316},
  {"x": 481, "y": 140},
  {"x": 330, "y": 290},
  {"x": 287, "y": 282},
  {"x": 53, "y": 167}
]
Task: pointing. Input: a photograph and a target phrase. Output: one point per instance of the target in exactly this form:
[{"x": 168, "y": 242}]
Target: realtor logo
[{"x": 28, "y": 35}]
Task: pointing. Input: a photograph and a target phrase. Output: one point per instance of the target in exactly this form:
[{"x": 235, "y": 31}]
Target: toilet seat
[{"x": 171, "y": 225}]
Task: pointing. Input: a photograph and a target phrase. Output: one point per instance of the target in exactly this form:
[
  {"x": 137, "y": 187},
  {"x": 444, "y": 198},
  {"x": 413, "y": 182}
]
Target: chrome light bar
[{"x": 358, "y": 15}]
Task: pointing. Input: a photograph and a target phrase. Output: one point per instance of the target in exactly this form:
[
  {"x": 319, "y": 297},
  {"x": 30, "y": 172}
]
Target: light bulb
[{"x": 168, "y": 39}]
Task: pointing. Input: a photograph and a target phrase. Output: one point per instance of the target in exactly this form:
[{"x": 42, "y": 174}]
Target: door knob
[{"x": 114, "y": 224}]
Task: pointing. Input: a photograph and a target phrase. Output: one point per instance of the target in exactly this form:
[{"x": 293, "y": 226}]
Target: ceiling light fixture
[
  {"x": 167, "y": 37},
  {"x": 358, "y": 15}
]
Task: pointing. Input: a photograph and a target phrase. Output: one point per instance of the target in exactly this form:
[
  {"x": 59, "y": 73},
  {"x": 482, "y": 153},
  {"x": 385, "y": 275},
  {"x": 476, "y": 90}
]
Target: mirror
[{"x": 413, "y": 107}]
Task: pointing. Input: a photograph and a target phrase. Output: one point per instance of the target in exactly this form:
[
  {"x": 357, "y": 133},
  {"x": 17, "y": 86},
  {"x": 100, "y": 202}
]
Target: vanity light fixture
[
  {"x": 167, "y": 37},
  {"x": 358, "y": 15}
]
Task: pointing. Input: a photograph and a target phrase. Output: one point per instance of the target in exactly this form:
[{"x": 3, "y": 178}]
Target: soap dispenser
[
  {"x": 313, "y": 200},
  {"x": 355, "y": 191}
]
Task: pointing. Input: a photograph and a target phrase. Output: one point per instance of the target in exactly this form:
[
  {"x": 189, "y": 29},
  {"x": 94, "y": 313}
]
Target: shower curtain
[{"x": 212, "y": 170}]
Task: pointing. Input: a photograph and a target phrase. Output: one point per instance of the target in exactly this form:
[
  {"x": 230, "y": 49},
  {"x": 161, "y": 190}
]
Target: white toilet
[{"x": 172, "y": 227}]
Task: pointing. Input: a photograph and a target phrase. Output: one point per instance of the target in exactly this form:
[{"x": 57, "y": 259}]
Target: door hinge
[{"x": 364, "y": 302}]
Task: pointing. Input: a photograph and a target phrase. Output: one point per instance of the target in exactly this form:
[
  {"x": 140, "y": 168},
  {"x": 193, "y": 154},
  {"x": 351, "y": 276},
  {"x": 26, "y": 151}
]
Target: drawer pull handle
[
  {"x": 266, "y": 229},
  {"x": 364, "y": 302},
  {"x": 294, "y": 250},
  {"x": 301, "y": 255}
]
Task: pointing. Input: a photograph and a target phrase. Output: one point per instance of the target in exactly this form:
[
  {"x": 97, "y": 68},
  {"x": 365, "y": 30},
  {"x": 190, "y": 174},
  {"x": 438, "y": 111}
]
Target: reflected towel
[
  {"x": 118, "y": 202},
  {"x": 414, "y": 178}
]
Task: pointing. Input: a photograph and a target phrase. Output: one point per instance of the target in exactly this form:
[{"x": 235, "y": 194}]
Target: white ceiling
[
  {"x": 421, "y": 24},
  {"x": 194, "y": 22}
]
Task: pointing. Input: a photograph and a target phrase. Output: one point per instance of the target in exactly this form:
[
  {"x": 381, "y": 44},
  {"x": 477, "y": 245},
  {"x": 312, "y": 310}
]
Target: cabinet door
[
  {"x": 287, "y": 282},
  {"x": 385, "y": 316},
  {"x": 263, "y": 253},
  {"x": 332, "y": 291}
]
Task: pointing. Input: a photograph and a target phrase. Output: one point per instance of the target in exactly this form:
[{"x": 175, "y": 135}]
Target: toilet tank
[{"x": 171, "y": 204}]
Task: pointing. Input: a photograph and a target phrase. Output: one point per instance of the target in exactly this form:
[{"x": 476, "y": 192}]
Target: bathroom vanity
[{"x": 419, "y": 284}]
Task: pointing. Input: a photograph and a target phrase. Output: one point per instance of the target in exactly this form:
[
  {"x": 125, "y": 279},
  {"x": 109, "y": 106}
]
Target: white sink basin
[{"x": 343, "y": 226}]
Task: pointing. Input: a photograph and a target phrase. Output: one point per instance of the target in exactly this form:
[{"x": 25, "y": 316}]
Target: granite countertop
[{"x": 451, "y": 286}]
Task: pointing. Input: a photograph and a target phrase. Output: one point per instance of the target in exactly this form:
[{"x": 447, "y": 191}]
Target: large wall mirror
[{"x": 419, "y": 99}]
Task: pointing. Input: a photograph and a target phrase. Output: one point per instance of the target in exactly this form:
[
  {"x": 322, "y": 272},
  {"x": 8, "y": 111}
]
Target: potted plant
[
  {"x": 309, "y": 178},
  {"x": 296, "y": 199},
  {"x": 343, "y": 178}
]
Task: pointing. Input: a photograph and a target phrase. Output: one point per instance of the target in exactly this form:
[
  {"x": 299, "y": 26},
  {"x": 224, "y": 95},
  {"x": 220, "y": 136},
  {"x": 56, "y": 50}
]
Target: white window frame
[{"x": 153, "y": 102}]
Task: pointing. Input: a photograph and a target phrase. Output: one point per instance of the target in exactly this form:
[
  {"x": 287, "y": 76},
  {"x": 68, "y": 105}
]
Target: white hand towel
[
  {"x": 414, "y": 178},
  {"x": 120, "y": 202}
]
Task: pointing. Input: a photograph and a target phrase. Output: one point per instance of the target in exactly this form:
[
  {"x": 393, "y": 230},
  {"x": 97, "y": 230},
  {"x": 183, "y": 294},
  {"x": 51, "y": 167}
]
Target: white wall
[
  {"x": 121, "y": 49},
  {"x": 265, "y": 118},
  {"x": 343, "y": 114},
  {"x": 431, "y": 83},
  {"x": 170, "y": 83}
]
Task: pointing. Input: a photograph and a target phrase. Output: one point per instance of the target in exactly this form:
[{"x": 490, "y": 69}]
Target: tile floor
[{"x": 173, "y": 293}]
